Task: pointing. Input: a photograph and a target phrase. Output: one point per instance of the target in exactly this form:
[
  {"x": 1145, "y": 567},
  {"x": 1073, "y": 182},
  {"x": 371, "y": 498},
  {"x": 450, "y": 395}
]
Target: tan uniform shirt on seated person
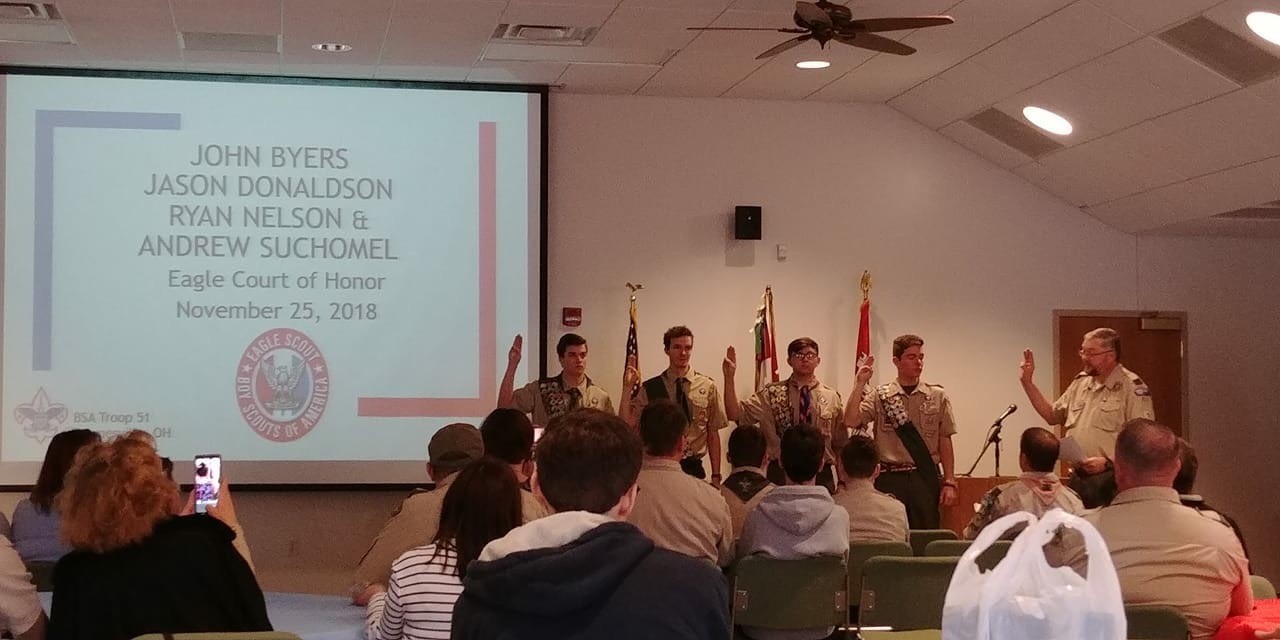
[
  {"x": 1169, "y": 554},
  {"x": 1035, "y": 492},
  {"x": 682, "y": 513},
  {"x": 705, "y": 403},
  {"x": 826, "y": 412},
  {"x": 414, "y": 524},
  {"x": 750, "y": 481},
  {"x": 927, "y": 407},
  {"x": 533, "y": 399},
  {"x": 873, "y": 516},
  {"x": 1092, "y": 412},
  {"x": 20, "y": 607}
]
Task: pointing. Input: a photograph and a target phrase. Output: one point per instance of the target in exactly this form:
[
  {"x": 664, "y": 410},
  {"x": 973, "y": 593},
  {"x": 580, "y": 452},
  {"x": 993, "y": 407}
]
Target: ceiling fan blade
[
  {"x": 898, "y": 24},
  {"x": 746, "y": 29},
  {"x": 784, "y": 46},
  {"x": 876, "y": 43},
  {"x": 812, "y": 15}
]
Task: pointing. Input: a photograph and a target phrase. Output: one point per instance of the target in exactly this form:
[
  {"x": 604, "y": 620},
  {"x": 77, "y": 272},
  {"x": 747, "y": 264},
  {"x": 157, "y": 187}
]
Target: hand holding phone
[{"x": 208, "y": 481}]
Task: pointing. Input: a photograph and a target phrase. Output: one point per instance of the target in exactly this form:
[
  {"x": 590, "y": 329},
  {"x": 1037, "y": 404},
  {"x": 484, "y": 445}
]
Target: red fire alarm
[{"x": 571, "y": 316}]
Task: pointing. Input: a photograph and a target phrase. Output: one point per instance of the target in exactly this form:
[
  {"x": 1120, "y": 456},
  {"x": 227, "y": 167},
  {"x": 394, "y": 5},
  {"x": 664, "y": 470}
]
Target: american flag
[{"x": 633, "y": 347}]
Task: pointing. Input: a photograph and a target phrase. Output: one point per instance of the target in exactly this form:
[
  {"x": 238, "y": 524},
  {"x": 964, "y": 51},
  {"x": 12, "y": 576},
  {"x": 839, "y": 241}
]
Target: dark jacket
[
  {"x": 185, "y": 577},
  {"x": 609, "y": 583}
]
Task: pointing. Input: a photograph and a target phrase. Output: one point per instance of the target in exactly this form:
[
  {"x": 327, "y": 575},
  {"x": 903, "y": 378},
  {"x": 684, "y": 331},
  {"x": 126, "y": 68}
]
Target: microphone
[{"x": 1007, "y": 412}]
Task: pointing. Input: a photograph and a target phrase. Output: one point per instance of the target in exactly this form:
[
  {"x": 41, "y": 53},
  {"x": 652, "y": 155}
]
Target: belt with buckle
[{"x": 887, "y": 467}]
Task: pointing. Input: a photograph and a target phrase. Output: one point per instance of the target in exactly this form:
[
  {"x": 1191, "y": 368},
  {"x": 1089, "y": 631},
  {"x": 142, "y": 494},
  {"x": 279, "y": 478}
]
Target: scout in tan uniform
[
  {"x": 1165, "y": 553},
  {"x": 678, "y": 512},
  {"x": 1101, "y": 398},
  {"x": 1037, "y": 491},
  {"x": 547, "y": 398},
  {"x": 693, "y": 392},
  {"x": 873, "y": 516},
  {"x": 909, "y": 457},
  {"x": 799, "y": 400}
]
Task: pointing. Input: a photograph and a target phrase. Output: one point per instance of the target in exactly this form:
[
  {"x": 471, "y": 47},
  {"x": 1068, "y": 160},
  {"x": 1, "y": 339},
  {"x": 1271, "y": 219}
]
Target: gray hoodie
[{"x": 794, "y": 522}]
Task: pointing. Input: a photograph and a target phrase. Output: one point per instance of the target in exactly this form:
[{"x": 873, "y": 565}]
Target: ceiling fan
[{"x": 825, "y": 21}]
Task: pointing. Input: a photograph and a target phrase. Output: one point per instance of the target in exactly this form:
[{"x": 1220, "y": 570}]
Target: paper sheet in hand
[{"x": 1069, "y": 450}]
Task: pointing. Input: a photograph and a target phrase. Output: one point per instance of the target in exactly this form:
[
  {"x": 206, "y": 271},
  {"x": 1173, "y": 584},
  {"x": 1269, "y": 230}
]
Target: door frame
[{"x": 1187, "y": 427}]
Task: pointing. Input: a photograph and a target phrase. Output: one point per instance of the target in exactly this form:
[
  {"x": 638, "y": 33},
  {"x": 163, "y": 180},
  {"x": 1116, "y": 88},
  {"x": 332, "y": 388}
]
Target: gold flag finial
[
  {"x": 634, "y": 288},
  {"x": 866, "y": 285}
]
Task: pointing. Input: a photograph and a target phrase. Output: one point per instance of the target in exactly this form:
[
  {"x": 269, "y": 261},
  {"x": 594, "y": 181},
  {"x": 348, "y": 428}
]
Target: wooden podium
[{"x": 969, "y": 491}]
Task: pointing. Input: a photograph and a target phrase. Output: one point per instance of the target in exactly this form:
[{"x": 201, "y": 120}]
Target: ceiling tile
[
  {"x": 228, "y": 16},
  {"x": 1229, "y": 130},
  {"x": 661, "y": 28},
  {"x": 608, "y": 79},
  {"x": 440, "y": 32},
  {"x": 517, "y": 72},
  {"x": 705, "y": 73},
  {"x": 1075, "y": 34},
  {"x": 591, "y": 14},
  {"x": 363, "y": 25},
  {"x": 780, "y": 79},
  {"x": 1150, "y": 16},
  {"x": 984, "y": 145},
  {"x": 959, "y": 92}
]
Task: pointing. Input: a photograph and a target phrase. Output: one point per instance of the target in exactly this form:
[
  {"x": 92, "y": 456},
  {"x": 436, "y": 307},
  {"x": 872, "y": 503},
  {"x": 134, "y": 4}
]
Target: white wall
[{"x": 965, "y": 254}]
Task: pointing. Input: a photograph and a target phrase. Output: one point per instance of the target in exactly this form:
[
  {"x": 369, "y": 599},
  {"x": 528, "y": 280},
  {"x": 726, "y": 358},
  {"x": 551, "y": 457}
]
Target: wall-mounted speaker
[{"x": 747, "y": 223}]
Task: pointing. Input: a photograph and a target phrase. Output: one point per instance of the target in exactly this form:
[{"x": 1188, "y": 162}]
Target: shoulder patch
[{"x": 1142, "y": 390}]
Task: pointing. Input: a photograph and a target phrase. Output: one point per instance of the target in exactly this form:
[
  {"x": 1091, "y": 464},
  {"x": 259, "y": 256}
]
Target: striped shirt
[{"x": 418, "y": 603}]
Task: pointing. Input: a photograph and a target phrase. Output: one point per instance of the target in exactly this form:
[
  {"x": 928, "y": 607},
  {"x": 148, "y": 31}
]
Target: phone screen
[
  {"x": 208, "y": 480},
  {"x": 537, "y": 434}
]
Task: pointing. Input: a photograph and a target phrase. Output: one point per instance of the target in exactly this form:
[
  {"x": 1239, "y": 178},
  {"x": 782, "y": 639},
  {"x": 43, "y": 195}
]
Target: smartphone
[
  {"x": 537, "y": 434},
  {"x": 208, "y": 480}
]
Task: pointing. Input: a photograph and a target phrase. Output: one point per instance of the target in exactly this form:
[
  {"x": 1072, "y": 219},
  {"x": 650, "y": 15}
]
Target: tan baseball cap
[{"x": 455, "y": 446}]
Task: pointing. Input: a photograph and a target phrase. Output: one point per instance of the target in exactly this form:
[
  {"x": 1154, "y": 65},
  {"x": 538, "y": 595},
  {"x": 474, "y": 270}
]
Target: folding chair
[
  {"x": 905, "y": 593},
  {"x": 1156, "y": 622},
  {"x": 920, "y": 538},
  {"x": 987, "y": 561},
  {"x": 789, "y": 594}
]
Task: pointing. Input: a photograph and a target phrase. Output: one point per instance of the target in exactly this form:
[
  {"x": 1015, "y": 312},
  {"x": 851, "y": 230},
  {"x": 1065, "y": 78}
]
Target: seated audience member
[
  {"x": 796, "y": 521},
  {"x": 1165, "y": 553},
  {"x": 1037, "y": 491},
  {"x": 35, "y": 519},
  {"x": 21, "y": 614},
  {"x": 418, "y": 518},
  {"x": 508, "y": 436},
  {"x": 676, "y": 510},
  {"x": 137, "y": 567},
  {"x": 873, "y": 516},
  {"x": 1185, "y": 485},
  {"x": 481, "y": 505},
  {"x": 746, "y": 483},
  {"x": 584, "y": 572}
]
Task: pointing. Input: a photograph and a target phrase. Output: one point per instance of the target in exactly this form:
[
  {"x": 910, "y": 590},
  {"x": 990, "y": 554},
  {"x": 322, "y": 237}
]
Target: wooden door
[{"x": 1152, "y": 345}]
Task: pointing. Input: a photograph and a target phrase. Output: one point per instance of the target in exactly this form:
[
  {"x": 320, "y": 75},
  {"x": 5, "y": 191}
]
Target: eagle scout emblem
[{"x": 282, "y": 385}]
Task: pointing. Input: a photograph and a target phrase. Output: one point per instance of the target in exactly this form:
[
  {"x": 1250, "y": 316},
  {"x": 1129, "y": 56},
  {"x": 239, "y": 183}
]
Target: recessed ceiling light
[
  {"x": 813, "y": 64},
  {"x": 1265, "y": 24},
  {"x": 1047, "y": 120},
  {"x": 331, "y": 47}
]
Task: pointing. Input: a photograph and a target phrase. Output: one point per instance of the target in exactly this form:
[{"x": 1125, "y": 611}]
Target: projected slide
[{"x": 308, "y": 277}]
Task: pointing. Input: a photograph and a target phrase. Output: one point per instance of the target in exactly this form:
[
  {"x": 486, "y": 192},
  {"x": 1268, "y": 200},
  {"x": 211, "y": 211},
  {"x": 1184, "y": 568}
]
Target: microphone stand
[{"x": 993, "y": 437}]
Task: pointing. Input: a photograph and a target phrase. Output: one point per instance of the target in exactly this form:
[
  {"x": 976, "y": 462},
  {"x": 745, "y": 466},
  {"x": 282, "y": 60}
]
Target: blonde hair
[{"x": 114, "y": 495}]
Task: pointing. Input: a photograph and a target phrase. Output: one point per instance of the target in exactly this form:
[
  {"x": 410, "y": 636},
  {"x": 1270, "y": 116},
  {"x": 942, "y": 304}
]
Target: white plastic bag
[{"x": 1024, "y": 598}]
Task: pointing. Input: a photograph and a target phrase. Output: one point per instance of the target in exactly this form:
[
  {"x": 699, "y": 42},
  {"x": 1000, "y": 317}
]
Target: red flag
[{"x": 864, "y": 321}]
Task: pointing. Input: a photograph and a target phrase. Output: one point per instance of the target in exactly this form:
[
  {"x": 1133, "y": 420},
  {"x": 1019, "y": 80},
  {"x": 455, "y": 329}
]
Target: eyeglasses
[
  {"x": 1090, "y": 354},
  {"x": 805, "y": 355}
]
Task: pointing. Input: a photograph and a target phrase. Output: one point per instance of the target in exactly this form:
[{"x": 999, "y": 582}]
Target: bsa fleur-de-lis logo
[{"x": 41, "y": 418}]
